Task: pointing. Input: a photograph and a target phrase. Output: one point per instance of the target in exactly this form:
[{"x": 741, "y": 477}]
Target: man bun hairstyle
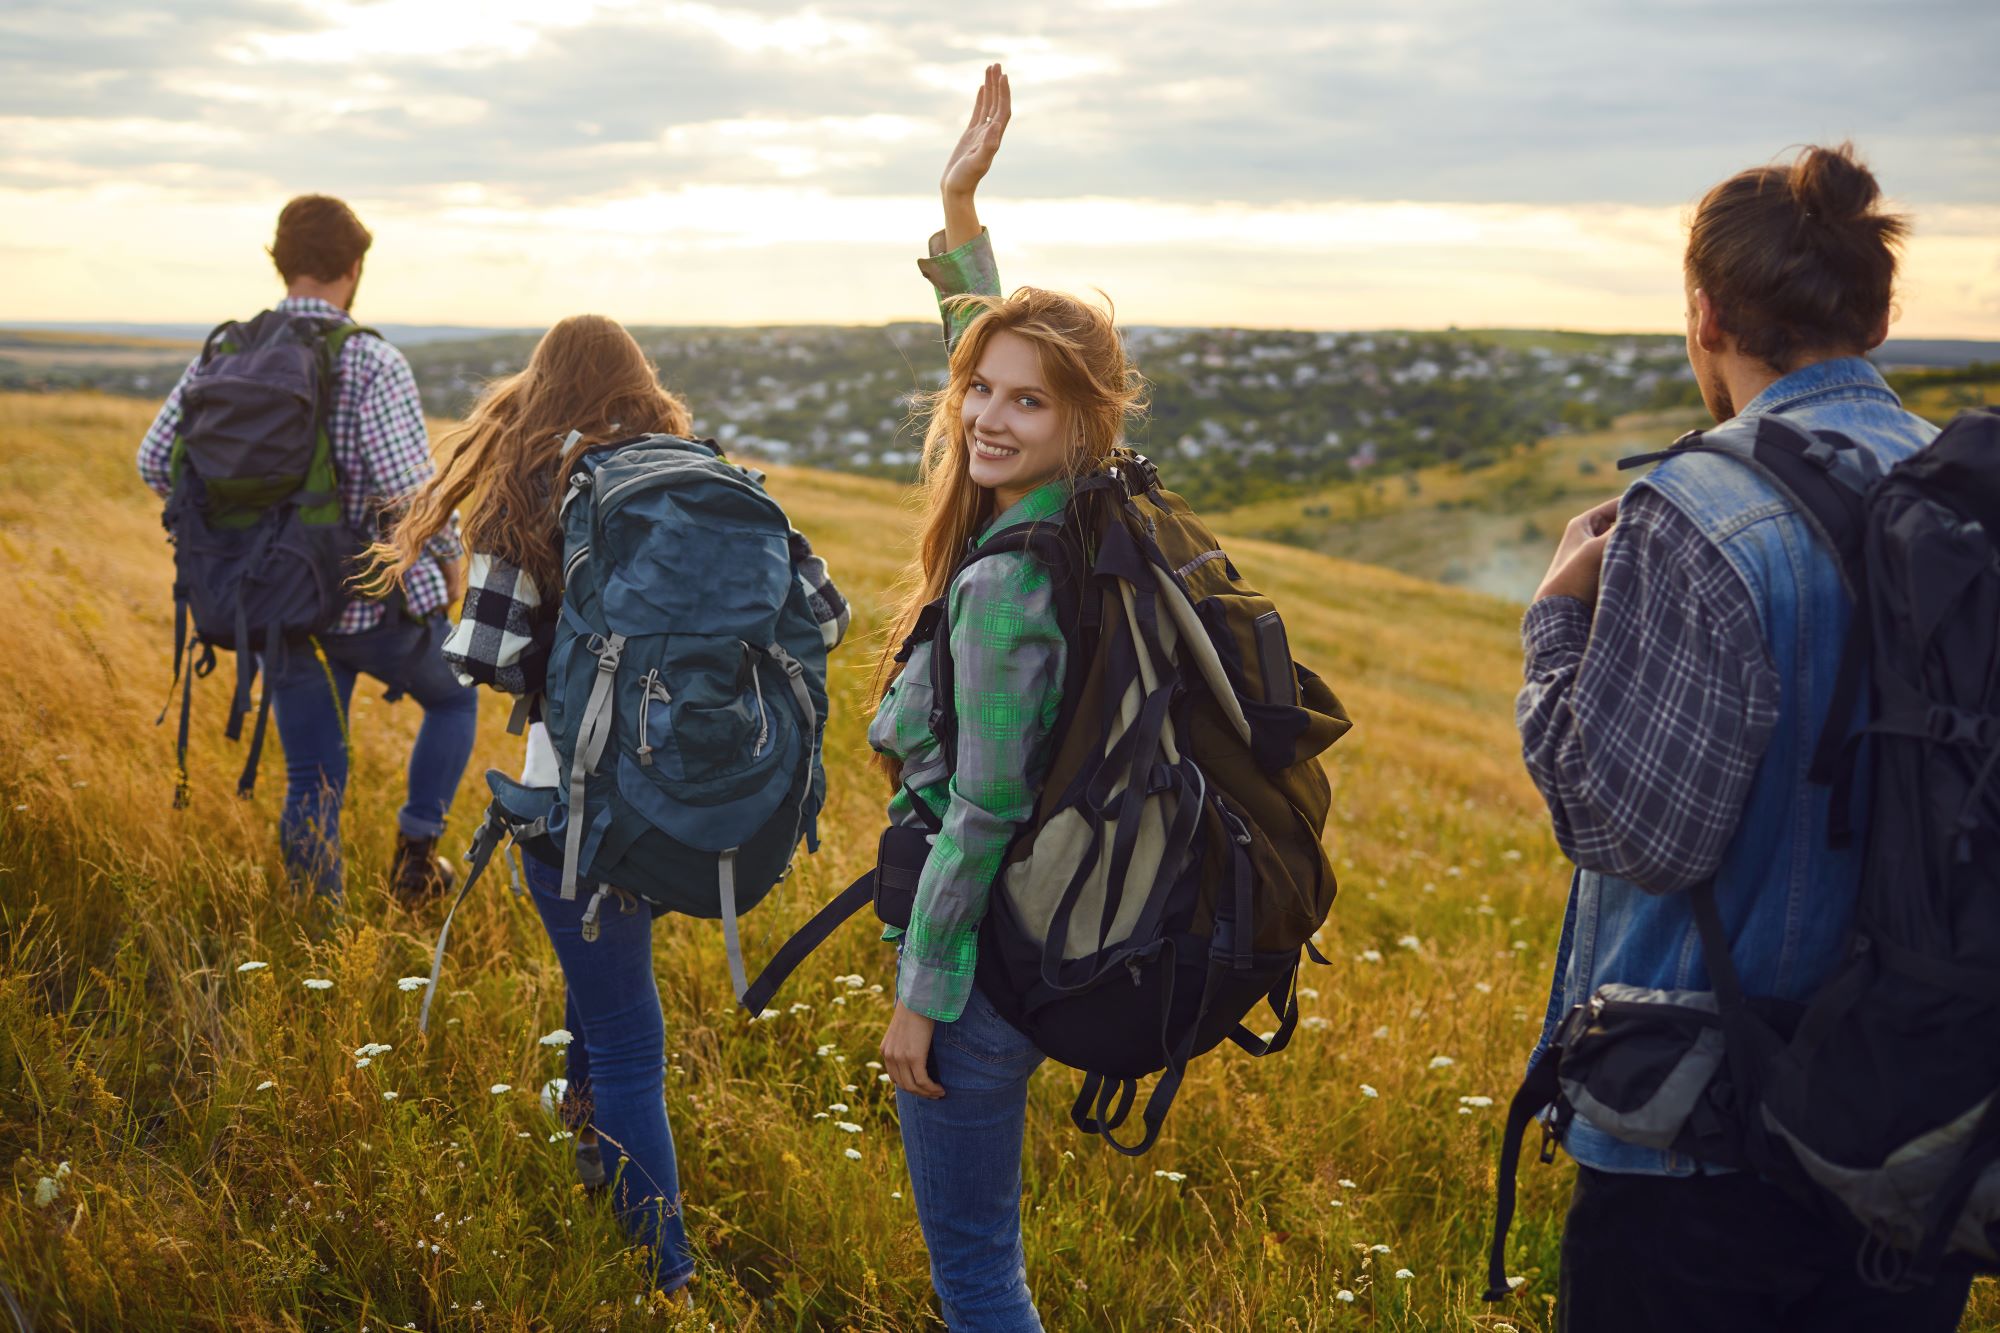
[
  {"x": 1797, "y": 258},
  {"x": 318, "y": 237}
]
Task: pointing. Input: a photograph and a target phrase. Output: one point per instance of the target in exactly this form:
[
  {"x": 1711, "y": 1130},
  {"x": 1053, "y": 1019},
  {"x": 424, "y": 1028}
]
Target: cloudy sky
[{"x": 1320, "y": 163}]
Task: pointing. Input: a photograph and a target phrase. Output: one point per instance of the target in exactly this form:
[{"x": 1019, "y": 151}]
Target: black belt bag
[{"x": 899, "y": 867}]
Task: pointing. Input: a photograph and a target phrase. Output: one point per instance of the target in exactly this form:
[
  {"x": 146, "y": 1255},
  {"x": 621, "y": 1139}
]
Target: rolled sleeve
[
  {"x": 1007, "y": 655},
  {"x": 970, "y": 270}
]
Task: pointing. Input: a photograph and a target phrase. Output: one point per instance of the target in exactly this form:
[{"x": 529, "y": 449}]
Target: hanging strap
[
  {"x": 1540, "y": 1089},
  {"x": 517, "y": 721},
  {"x": 184, "y": 678},
  {"x": 274, "y": 663},
  {"x": 809, "y": 937},
  {"x": 725, "y": 877},
  {"x": 483, "y": 843},
  {"x": 795, "y": 672},
  {"x": 590, "y": 740},
  {"x": 246, "y": 671}
]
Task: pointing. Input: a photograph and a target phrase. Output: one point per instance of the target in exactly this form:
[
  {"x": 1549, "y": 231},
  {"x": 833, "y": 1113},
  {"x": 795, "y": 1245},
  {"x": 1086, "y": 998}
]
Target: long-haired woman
[
  {"x": 504, "y": 477},
  {"x": 1038, "y": 393}
]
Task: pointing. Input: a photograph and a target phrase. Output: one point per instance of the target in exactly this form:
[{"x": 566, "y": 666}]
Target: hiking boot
[{"x": 418, "y": 874}]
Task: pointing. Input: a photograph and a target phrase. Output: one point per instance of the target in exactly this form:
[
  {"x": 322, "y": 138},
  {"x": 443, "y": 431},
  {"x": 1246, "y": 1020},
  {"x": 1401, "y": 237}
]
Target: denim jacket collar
[{"x": 1848, "y": 376}]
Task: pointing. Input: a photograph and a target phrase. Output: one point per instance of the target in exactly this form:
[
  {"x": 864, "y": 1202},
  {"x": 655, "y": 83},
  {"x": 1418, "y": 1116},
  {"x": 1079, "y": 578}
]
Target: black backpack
[
  {"x": 261, "y": 547},
  {"x": 1877, "y": 1102},
  {"x": 1173, "y": 873}
]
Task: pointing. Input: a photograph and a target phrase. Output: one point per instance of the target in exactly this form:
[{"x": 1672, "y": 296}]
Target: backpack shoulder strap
[{"x": 1824, "y": 474}]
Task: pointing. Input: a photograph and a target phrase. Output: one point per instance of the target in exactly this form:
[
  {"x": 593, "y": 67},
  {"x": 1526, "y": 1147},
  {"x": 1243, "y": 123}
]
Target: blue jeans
[
  {"x": 311, "y": 703},
  {"x": 964, "y": 1152},
  {"x": 618, "y": 1079}
]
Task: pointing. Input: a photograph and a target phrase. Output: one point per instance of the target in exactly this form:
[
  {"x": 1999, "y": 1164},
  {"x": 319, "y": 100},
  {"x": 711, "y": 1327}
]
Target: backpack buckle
[
  {"x": 1956, "y": 726},
  {"x": 608, "y": 650}
]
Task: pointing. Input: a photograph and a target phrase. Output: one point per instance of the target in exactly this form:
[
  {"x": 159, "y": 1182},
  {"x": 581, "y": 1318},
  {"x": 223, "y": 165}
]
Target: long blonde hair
[
  {"x": 504, "y": 460},
  {"x": 1094, "y": 384}
]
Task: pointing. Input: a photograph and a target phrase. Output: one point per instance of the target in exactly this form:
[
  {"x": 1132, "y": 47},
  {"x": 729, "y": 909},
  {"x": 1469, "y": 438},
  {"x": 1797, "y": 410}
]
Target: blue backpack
[{"x": 686, "y": 694}]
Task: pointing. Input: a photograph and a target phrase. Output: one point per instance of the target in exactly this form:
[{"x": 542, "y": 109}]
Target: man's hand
[
  {"x": 973, "y": 156},
  {"x": 906, "y": 1052},
  {"x": 1580, "y": 555}
]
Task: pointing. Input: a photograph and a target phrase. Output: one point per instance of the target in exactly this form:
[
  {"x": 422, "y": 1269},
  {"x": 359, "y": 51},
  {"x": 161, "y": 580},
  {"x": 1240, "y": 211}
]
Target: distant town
[{"x": 1235, "y": 415}]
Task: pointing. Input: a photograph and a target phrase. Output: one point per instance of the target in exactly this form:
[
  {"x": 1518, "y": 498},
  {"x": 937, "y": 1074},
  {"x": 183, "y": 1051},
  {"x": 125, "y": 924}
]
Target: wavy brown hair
[
  {"x": 1093, "y": 384},
  {"x": 502, "y": 463}
]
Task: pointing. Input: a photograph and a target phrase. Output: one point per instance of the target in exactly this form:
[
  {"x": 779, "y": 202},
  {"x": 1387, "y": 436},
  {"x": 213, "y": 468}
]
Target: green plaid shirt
[{"x": 1007, "y": 656}]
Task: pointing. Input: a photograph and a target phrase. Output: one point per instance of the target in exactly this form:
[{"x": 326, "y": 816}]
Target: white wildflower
[
  {"x": 824, "y": 1051},
  {"x": 1344, "y": 1296},
  {"x": 253, "y": 965},
  {"x": 1481, "y": 1102},
  {"x": 363, "y": 1062},
  {"x": 412, "y": 983},
  {"x": 854, "y": 981},
  {"x": 1442, "y": 1062},
  {"x": 821, "y": 1115},
  {"x": 874, "y": 1064},
  {"x": 1515, "y": 1283},
  {"x": 1409, "y": 942},
  {"x": 1382, "y": 1032},
  {"x": 841, "y": 1107},
  {"x": 560, "y": 1037},
  {"x": 847, "y": 1126},
  {"x": 1314, "y": 1023},
  {"x": 1378, "y": 1249},
  {"x": 373, "y": 1048},
  {"x": 767, "y": 1015},
  {"x": 800, "y": 1008},
  {"x": 267, "y": 1083},
  {"x": 498, "y": 1088},
  {"x": 388, "y": 1096},
  {"x": 1367, "y": 1091},
  {"x": 1369, "y": 956},
  {"x": 853, "y": 1154},
  {"x": 1347, "y": 1184},
  {"x": 883, "y": 1078},
  {"x": 317, "y": 983},
  {"x": 1404, "y": 1274},
  {"x": 1172, "y": 1177}
]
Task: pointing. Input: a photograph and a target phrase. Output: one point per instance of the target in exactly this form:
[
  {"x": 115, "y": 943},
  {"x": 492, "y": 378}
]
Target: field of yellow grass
[{"x": 215, "y": 1158}]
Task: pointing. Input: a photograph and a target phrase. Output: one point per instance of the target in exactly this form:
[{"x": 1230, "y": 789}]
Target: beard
[{"x": 1715, "y": 394}]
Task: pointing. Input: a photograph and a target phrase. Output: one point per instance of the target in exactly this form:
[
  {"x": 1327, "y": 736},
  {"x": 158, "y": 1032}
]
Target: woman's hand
[
  {"x": 906, "y": 1048},
  {"x": 973, "y": 156}
]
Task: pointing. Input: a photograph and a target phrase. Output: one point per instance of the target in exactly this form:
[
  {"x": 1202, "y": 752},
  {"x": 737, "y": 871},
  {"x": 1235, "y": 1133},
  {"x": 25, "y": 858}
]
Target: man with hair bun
[
  {"x": 1681, "y": 655},
  {"x": 381, "y": 455}
]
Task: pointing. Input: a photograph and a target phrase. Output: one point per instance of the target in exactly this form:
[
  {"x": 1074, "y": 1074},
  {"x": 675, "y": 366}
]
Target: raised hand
[{"x": 973, "y": 156}]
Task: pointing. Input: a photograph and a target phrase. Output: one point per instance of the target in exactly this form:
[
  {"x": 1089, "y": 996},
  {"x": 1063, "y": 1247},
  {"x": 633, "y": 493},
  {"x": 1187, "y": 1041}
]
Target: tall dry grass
[{"x": 229, "y": 1165}]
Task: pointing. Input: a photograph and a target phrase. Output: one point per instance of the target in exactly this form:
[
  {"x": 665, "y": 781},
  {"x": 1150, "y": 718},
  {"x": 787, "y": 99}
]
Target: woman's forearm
[{"x": 961, "y": 219}]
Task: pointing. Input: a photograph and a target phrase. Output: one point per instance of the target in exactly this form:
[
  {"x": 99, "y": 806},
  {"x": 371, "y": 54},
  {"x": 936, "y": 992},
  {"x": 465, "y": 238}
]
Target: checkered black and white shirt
[{"x": 380, "y": 450}]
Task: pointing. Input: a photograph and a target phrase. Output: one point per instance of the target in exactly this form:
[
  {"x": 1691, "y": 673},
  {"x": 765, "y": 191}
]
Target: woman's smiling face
[{"x": 1014, "y": 430}]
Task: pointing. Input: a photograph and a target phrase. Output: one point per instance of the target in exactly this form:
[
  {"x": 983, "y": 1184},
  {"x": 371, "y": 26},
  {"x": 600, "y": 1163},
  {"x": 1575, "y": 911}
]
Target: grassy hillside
[
  {"x": 1489, "y": 528},
  {"x": 216, "y": 1158}
]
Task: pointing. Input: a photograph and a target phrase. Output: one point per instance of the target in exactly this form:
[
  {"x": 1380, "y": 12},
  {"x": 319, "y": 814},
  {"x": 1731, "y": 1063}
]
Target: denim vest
[{"x": 1786, "y": 898}]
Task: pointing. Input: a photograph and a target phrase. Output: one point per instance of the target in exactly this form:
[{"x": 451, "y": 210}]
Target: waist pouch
[
  {"x": 1649, "y": 1067},
  {"x": 899, "y": 866}
]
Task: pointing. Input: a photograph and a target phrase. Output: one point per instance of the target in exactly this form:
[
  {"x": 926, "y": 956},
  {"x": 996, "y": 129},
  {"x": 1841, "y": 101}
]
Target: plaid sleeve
[
  {"x": 157, "y": 448},
  {"x": 969, "y": 270},
  {"x": 1644, "y": 727},
  {"x": 497, "y": 640},
  {"x": 829, "y": 608},
  {"x": 1007, "y": 657}
]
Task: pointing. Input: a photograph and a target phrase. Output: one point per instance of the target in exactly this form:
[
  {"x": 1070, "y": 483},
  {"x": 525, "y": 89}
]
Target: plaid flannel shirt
[
  {"x": 1643, "y": 724},
  {"x": 380, "y": 450},
  {"x": 505, "y": 628},
  {"x": 1007, "y": 656}
]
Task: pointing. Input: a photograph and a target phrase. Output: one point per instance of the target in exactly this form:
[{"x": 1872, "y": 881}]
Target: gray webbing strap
[
  {"x": 725, "y": 873},
  {"x": 517, "y": 721},
  {"x": 590, "y": 739},
  {"x": 484, "y": 842},
  {"x": 796, "y": 672}
]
